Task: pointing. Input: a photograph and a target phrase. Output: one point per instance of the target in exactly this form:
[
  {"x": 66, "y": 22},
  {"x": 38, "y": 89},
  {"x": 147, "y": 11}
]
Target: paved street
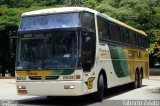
[{"x": 149, "y": 91}]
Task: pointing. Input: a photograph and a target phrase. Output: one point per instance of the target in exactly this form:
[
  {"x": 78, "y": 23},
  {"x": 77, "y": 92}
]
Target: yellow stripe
[
  {"x": 104, "y": 54},
  {"x": 34, "y": 73},
  {"x": 134, "y": 29}
]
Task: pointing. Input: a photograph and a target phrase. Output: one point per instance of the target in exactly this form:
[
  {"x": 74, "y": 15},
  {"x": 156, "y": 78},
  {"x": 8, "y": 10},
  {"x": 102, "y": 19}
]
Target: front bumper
[{"x": 50, "y": 88}]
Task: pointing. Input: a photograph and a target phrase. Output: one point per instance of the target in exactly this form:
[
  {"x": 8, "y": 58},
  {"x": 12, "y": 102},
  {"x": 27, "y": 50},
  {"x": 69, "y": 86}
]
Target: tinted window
[
  {"x": 88, "y": 50},
  {"x": 88, "y": 20},
  {"x": 144, "y": 41},
  {"x": 103, "y": 29},
  {"x": 124, "y": 34},
  {"x": 136, "y": 41},
  {"x": 132, "y": 38},
  {"x": 115, "y": 32}
]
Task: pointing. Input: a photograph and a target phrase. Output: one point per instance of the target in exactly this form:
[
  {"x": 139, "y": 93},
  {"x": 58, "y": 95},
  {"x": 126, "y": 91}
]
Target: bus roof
[
  {"x": 58, "y": 10},
  {"x": 79, "y": 9}
]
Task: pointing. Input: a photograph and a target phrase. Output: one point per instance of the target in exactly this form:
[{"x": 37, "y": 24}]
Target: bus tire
[
  {"x": 50, "y": 97},
  {"x": 140, "y": 76},
  {"x": 136, "y": 82},
  {"x": 100, "y": 87}
]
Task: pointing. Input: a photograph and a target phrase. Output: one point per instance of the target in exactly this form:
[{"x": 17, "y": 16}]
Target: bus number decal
[
  {"x": 31, "y": 73},
  {"x": 90, "y": 82}
]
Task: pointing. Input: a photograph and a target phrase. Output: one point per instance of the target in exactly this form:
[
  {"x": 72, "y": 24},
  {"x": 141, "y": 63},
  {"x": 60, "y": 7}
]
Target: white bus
[{"x": 73, "y": 51}]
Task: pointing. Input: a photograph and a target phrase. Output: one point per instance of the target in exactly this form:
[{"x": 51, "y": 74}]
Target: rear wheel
[
  {"x": 100, "y": 86},
  {"x": 140, "y": 80},
  {"x": 135, "y": 84},
  {"x": 50, "y": 97}
]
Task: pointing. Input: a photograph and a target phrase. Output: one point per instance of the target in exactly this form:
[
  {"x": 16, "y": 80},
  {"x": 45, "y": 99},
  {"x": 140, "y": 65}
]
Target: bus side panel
[
  {"x": 113, "y": 61},
  {"x": 137, "y": 60}
]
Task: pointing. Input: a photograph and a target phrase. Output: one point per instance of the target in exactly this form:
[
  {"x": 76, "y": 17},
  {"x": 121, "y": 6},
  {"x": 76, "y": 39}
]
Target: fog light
[
  {"x": 21, "y": 87},
  {"x": 69, "y": 87}
]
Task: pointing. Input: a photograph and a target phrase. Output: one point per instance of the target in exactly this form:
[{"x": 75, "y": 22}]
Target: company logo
[
  {"x": 89, "y": 82},
  {"x": 134, "y": 54}
]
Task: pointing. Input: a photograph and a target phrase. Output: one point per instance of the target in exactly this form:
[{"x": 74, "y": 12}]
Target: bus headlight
[
  {"x": 21, "y": 90},
  {"x": 21, "y": 87}
]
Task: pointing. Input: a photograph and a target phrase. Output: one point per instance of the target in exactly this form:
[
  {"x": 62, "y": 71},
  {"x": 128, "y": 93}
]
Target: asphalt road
[{"x": 118, "y": 96}]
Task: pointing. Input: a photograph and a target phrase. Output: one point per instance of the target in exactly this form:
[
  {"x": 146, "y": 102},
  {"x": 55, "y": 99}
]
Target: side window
[
  {"x": 140, "y": 41},
  {"x": 145, "y": 42},
  {"x": 103, "y": 29},
  {"x": 131, "y": 37},
  {"x": 136, "y": 41},
  {"x": 88, "y": 20},
  {"x": 124, "y": 34},
  {"x": 115, "y": 33},
  {"x": 88, "y": 50}
]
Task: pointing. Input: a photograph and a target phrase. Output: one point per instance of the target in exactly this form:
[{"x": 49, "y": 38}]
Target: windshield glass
[
  {"x": 55, "y": 50},
  {"x": 31, "y": 53},
  {"x": 64, "y": 20}
]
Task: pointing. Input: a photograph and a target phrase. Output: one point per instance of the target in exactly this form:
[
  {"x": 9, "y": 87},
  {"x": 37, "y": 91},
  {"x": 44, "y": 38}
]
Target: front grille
[
  {"x": 51, "y": 77},
  {"x": 35, "y": 77},
  {"x": 44, "y": 78}
]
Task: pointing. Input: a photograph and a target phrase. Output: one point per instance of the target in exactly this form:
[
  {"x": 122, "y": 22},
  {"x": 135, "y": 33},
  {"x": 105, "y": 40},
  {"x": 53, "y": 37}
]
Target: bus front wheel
[{"x": 100, "y": 87}]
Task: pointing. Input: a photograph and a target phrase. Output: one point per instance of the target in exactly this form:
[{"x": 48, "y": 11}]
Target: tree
[
  {"x": 141, "y": 14},
  {"x": 72, "y": 2}
]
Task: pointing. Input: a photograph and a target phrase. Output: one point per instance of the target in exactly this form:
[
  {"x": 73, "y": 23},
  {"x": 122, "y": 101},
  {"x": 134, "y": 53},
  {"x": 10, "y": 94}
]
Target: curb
[{"x": 7, "y": 77}]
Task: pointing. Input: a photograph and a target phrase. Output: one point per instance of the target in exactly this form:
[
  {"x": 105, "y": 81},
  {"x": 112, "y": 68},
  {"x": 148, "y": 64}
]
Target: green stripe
[{"x": 119, "y": 60}]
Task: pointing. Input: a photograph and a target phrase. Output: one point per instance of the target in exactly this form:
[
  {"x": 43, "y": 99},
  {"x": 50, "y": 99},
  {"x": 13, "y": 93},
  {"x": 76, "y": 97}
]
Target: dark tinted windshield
[
  {"x": 31, "y": 53},
  {"x": 62, "y": 50},
  {"x": 55, "y": 50}
]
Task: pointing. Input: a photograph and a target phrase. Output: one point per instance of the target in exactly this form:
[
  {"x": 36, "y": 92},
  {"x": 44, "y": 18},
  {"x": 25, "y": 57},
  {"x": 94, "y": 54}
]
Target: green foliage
[
  {"x": 9, "y": 17},
  {"x": 73, "y": 2},
  {"x": 90, "y": 3},
  {"x": 154, "y": 47},
  {"x": 141, "y": 14}
]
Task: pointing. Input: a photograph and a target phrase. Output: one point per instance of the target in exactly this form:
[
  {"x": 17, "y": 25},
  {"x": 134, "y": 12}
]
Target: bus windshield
[
  {"x": 54, "y": 50},
  {"x": 63, "y": 20}
]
